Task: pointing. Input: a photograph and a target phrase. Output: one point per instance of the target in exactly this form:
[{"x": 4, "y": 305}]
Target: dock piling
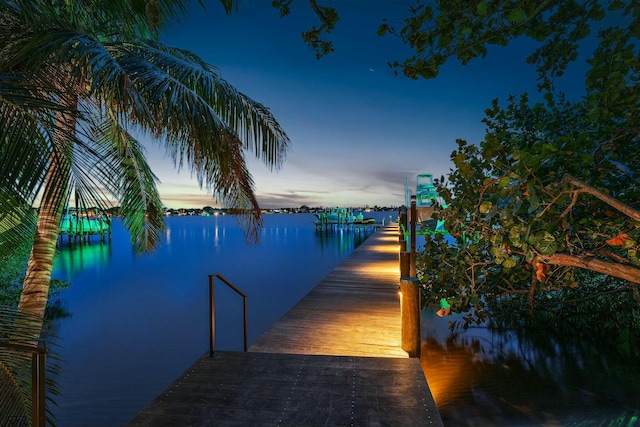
[
  {"x": 405, "y": 261},
  {"x": 410, "y": 314}
]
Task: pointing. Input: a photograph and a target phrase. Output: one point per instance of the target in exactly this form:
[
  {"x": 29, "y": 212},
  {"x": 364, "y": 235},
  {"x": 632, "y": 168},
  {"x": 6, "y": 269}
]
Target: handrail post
[
  {"x": 38, "y": 381},
  {"x": 414, "y": 220},
  {"x": 38, "y": 388},
  {"x": 212, "y": 317},
  {"x": 244, "y": 307},
  {"x": 212, "y": 314}
]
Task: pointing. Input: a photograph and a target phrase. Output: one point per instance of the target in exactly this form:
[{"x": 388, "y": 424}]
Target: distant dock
[
  {"x": 348, "y": 226},
  {"x": 81, "y": 228},
  {"x": 345, "y": 219},
  {"x": 335, "y": 359}
]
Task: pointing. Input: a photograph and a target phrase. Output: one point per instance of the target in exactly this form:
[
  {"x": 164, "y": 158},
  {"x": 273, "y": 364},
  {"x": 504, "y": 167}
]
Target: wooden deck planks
[
  {"x": 265, "y": 389},
  {"x": 335, "y": 359},
  {"x": 353, "y": 311}
]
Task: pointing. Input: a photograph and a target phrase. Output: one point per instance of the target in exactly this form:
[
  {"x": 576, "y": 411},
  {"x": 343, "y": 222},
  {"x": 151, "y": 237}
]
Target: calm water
[
  {"x": 136, "y": 323},
  {"x": 490, "y": 378}
]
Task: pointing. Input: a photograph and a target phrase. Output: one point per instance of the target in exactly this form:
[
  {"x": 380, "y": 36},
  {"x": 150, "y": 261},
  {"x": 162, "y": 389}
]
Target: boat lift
[{"x": 427, "y": 198}]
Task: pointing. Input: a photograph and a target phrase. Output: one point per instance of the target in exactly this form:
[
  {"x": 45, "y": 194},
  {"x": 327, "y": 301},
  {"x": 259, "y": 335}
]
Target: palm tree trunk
[{"x": 35, "y": 291}]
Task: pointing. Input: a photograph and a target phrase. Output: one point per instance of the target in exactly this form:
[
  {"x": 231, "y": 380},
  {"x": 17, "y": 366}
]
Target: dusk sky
[{"x": 357, "y": 131}]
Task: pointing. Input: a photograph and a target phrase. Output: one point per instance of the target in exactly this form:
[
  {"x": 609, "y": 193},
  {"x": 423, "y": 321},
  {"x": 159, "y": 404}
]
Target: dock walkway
[{"x": 335, "y": 359}]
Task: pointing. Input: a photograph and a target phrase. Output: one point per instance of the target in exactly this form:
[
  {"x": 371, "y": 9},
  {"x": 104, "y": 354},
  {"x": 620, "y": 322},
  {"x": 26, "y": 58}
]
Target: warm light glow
[
  {"x": 446, "y": 369},
  {"x": 384, "y": 248},
  {"x": 353, "y": 327},
  {"x": 380, "y": 267}
]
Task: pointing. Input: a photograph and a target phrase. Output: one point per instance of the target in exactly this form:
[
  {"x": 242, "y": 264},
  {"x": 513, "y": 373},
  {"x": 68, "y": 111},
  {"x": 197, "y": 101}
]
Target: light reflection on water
[
  {"x": 79, "y": 257},
  {"x": 481, "y": 377},
  {"x": 137, "y": 322}
]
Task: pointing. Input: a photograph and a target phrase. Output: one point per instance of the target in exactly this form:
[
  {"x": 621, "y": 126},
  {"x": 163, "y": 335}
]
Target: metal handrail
[
  {"x": 212, "y": 314},
  {"x": 38, "y": 381}
]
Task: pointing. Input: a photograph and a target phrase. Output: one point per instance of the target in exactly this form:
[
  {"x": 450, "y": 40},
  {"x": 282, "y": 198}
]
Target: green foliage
[
  {"x": 513, "y": 214},
  {"x": 328, "y": 17},
  {"x": 446, "y": 273},
  {"x": 439, "y": 31},
  {"x": 14, "y": 266},
  {"x": 463, "y": 30},
  {"x": 521, "y": 225}
]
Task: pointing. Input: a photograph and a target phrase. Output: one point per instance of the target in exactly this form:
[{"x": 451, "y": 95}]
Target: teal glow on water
[{"x": 137, "y": 322}]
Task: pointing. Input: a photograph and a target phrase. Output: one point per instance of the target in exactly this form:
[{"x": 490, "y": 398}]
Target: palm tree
[{"x": 81, "y": 83}]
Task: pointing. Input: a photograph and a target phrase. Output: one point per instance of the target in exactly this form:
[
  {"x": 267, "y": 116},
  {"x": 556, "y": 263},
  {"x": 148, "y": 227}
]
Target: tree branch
[
  {"x": 625, "y": 272},
  {"x": 609, "y": 254},
  {"x": 614, "y": 203},
  {"x": 551, "y": 203},
  {"x": 574, "y": 200},
  {"x": 485, "y": 188}
]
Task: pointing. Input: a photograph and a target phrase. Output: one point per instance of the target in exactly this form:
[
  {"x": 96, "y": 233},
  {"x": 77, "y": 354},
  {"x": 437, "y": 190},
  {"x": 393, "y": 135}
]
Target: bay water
[{"x": 133, "y": 324}]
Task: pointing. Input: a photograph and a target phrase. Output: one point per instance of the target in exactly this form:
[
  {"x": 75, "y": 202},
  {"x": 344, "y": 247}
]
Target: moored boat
[{"x": 339, "y": 217}]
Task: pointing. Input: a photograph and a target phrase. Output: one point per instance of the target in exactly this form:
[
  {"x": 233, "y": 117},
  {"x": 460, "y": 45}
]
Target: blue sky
[{"x": 357, "y": 131}]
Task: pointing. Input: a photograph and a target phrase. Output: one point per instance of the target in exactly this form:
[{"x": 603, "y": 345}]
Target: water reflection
[
  {"x": 72, "y": 258},
  {"x": 491, "y": 378},
  {"x": 137, "y": 322},
  {"x": 344, "y": 241}
]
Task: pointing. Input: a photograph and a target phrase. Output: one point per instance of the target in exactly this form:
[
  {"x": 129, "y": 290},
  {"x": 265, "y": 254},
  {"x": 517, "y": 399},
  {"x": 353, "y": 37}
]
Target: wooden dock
[
  {"x": 353, "y": 311},
  {"x": 335, "y": 359}
]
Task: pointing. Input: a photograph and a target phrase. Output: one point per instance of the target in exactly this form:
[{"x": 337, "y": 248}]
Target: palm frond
[
  {"x": 235, "y": 187},
  {"x": 125, "y": 173},
  {"x": 131, "y": 19},
  {"x": 202, "y": 121},
  {"x": 199, "y": 116},
  {"x": 184, "y": 102},
  {"x": 202, "y": 83},
  {"x": 230, "y": 5},
  {"x": 139, "y": 198},
  {"x": 24, "y": 148}
]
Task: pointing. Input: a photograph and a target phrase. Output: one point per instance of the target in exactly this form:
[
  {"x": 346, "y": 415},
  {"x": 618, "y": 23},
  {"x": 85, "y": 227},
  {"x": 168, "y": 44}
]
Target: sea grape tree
[
  {"x": 544, "y": 210},
  {"x": 546, "y": 196},
  {"x": 548, "y": 200}
]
